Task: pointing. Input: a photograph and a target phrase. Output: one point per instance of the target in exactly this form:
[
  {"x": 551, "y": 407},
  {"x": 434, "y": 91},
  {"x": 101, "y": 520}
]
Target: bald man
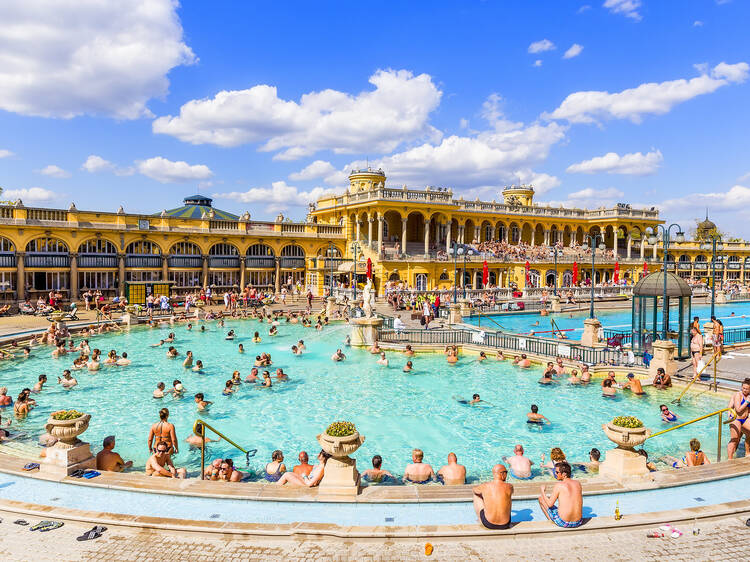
[
  {"x": 453, "y": 474},
  {"x": 492, "y": 500}
]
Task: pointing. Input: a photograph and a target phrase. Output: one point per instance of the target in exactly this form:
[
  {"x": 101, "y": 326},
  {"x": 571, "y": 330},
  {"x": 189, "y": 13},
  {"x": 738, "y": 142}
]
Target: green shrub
[
  {"x": 341, "y": 429},
  {"x": 631, "y": 422},
  {"x": 66, "y": 415}
]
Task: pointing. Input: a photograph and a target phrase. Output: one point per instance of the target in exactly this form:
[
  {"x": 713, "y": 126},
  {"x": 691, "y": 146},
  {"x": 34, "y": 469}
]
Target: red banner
[
  {"x": 369, "y": 268},
  {"x": 574, "y": 281},
  {"x": 527, "y": 273},
  {"x": 645, "y": 268},
  {"x": 485, "y": 274},
  {"x": 617, "y": 272}
]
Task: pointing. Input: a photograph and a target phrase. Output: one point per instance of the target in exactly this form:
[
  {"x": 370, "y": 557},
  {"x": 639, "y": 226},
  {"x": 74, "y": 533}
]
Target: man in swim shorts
[
  {"x": 160, "y": 463},
  {"x": 567, "y": 494},
  {"x": 492, "y": 500},
  {"x": 520, "y": 466},
  {"x": 452, "y": 474},
  {"x": 418, "y": 472},
  {"x": 634, "y": 385},
  {"x": 535, "y": 417},
  {"x": 107, "y": 459}
]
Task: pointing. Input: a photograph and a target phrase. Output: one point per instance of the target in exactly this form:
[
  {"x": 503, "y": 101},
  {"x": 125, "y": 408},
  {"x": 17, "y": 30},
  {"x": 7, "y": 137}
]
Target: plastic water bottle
[{"x": 618, "y": 516}]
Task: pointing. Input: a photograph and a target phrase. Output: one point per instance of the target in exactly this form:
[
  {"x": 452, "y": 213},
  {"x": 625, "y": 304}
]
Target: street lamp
[
  {"x": 554, "y": 251},
  {"x": 590, "y": 239},
  {"x": 714, "y": 245},
  {"x": 459, "y": 250},
  {"x": 653, "y": 238},
  {"x": 355, "y": 248}
]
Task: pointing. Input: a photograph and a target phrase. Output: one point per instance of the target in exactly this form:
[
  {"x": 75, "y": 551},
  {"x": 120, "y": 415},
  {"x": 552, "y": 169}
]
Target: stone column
[
  {"x": 427, "y": 237},
  {"x": 461, "y": 228},
  {"x": 370, "y": 220},
  {"x": 164, "y": 268},
  {"x": 20, "y": 276},
  {"x": 243, "y": 272},
  {"x": 204, "y": 265},
  {"x": 277, "y": 280},
  {"x": 380, "y": 234},
  {"x": 477, "y": 233},
  {"x": 448, "y": 237},
  {"x": 643, "y": 247},
  {"x": 73, "y": 277},
  {"x": 664, "y": 353},
  {"x": 629, "y": 242},
  {"x": 357, "y": 224},
  {"x": 454, "y": 313},
  {"x": 590, "y": 336},
  {"x": 121, "y": 273},
  {"x": 546, "y": 237},
  {"x": 404, "y": 222},
  {"x": 656, "y": 248},
  {"x": 506, "y": 235}
]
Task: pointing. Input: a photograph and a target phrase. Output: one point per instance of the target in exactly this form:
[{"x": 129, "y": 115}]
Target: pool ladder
[
  {"x": 717, "y": 413},
  {"x": 199, "y": 428},
  {"x": 715, "y": 358}
]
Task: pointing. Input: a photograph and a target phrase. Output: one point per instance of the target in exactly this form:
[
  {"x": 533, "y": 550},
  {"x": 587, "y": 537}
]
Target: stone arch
[
  {"x": 97, "y": 246},
  {"x": 514, "y": 236},
  {"x": 47, "y": 245},
  {"x": 293, "y": 251},
  {"x": 539, "y": 235},
  {"x": 415, "y": 230},
  {"x": 527, "y": 232},
  {"x": 501, "y": 231},
  {"x": 143, "y": 247},
  {"x": 185, "y": 248},
  {"x": 486, "y": 232},
  {"x": 469, "y": 228}
]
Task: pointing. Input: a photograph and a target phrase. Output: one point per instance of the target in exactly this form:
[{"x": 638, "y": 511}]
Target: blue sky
[{"x": 266, "y": 105}]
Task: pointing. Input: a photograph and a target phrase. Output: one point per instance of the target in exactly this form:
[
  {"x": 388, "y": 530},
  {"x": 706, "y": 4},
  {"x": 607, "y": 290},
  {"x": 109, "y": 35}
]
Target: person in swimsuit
[
  {"x": 739, "y": 426},
  {"x": 160, "y": 463},
  {"x": 492, "y": 500},
  {"x": 163, "y": 432},
  {"x": 696, "y": 348},
  {"x": 418, "y": 472},
  {"x": 276, "y": 467},
  {"x": 311, "y": 480},
  {"x": 567, "y": 494},
  {"x": 696, "y": 457},
  {"x": 666, "y": 415},
  {"x": 634, "y": 385},
  {"x": 662, "y": 380},
  {"x": 376, "y": 473},
  {"x": 304, "y": 467},
  {"x": 535, "y": 417},
  {"x": 608, "y": 391},
  {"x": 5, "y": 400},
  {"x": 520, "y": 466},
  {"x": 452, "y": 474},
  {"x": 408, "y": 367}
]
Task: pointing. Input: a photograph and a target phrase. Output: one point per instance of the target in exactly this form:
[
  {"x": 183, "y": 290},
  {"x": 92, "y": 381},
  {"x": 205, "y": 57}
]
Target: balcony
[
  {"x": 150, "y": 262},
  {"x": 260, "y": 262},
  {"x": 734, "y": 265},
  {"x": 8, "y": 260},
  {"x": 97, "y": 260},
  {"x": 227, "y": 262},
  {"x": 700, "y": 266},
  {"x": 684, "y": 265},
  {"x": 47, "y": 260},
  {"x": 292, "y": 263},
  {"x": 193, "y": 262}
]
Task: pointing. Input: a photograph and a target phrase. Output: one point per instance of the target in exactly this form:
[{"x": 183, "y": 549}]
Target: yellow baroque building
[
  {"x": 190, "y": 246},
  {"x": 408, "y": 234}
]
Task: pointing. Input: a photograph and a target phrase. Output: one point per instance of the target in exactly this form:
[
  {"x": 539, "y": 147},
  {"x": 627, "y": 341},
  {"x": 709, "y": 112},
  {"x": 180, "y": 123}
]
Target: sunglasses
[{"x": 162, "y": 450}]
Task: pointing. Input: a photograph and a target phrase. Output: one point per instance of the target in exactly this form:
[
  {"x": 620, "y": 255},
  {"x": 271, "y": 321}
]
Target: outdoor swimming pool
[
  {"x": 610, "y": 319},
  {"x": 396, "y": 411}
]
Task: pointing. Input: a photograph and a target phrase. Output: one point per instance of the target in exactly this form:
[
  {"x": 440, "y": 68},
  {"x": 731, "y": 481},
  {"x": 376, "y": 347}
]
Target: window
[
  {"x": 143, "y": 247},
  {"x": 259, "y": 250},
  {"x": 48, "y": 281},
  {"x": 312, "y": 282},
  {"x": 7, "y": 280},
  {"x": 293, "y": 251},
  {"x": 97, "y": 246},
  {"x": 47, "y": 245},
  {"x": 515, "y": 234},
  {"x": 6, "y": 246},
  {"x": 489, "y": 233},
  {"x": 223, "y": 250},
  {"x": 260, "y": 278},
  {"x": 185, "y": 249},
  {"x": 420, "y": 280},
  {"x": 142, "y": 275},
  {"x": 96, "y": 280},
  {"x": 185, "y": 278},
  {"x": 223, "y": 278},
  {"x": 444, "y": 276},
  {"x": 385, "y": 229}
]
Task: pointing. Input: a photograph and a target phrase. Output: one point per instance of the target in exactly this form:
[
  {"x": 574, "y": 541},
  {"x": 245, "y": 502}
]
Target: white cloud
[
  {"x": 650, "y": 98},
  {"x": 584, "y": 8},
  {"x": 538, "y": 62},
  {"x": 54, "y": 172},
  {"x": 94, "y": 164},
  {"x": 729, "y": 209},
  {"x": 634, "y": 164},
  {"x": 574, "y": 51},
  {"x": 697, "y": 23},
  {"x": 32, "y": 194},
  {"x": 744, "y": 177},
  {"x": 5, "y": 153},
  {"x": 62, "y": 59},
  {"x": 541, "y": 46},
  {"x": 378, "y": 120},
  {"x": 167, "y": 171},
  {"x": 278, "y": 197},
  {"x": 628, "y": 8},
  {"x": 590, "y": 198},
  {"x": 317, "y": 169}
]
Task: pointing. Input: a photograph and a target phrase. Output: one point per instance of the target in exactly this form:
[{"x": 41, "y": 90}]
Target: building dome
[
  {"x": 653, "y": 286},
  {"x": 706, "y": 225},
  {"x": 195, "y": 206}
]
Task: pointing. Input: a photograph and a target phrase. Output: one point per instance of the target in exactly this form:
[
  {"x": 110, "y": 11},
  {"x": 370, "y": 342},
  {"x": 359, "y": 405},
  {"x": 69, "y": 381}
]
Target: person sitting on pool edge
[
  {"x": 304, "y": 467},
  {"x": 662, "y": 380},
  {"x": 492, "y": 500},
  {"x": 312, "y": 480},
  {"x": 696, "y": 457},
  {"x": 418, "y": 472},
  {"x": 567, "y": 494},
  {"x": 452, "y": 474},
  {"x": 535, "y": 417},
  {"x": 666, "y": 415},
  {"x": 376, "y": 473},
  {"x": 275, "y": 468},
  {"x": 520, "y": 466},
  {"x": 107, "y": 459}
]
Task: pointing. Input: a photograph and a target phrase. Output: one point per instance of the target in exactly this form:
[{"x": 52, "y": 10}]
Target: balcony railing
[
  {"x": 152, "y": 262},
  {"x": 700, "y": 265},
  {"x": 295, "y": 228},
  {"x": 260, "y": 262},
  {"x": 684, "y": 265},
  {"x": 97, "y": 260},
  {"x": 229, "y": 262},
  {"x": 47, "y": 260},
  {"x": 292, "y": 263},
  {"x": 734, "y": 265},
  {"x": 224, "y": 225},
  {"x": 192, "y": 262},
  {"x": 8, "y": 260}
]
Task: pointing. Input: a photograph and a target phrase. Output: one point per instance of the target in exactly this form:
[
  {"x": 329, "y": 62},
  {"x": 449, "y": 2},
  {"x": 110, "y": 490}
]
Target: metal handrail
[
  {"x": 718, "y": 413},
  {"x": 479, "y": 321},
  {"x": 715, "y": 360},
  {"x": 199, "y": 428}
]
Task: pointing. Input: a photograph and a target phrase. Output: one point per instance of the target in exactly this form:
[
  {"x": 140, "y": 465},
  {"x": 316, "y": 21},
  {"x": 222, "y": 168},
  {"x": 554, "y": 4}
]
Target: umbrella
[
  {"x": 645, "y": 268},
  {"x": 485, "y": 274},
  {"x": 574, "y": 280},
  {"x": 369, "y": 268},
  {"x": 527, "y": 272},
  {"x": 617, "y": 272}
]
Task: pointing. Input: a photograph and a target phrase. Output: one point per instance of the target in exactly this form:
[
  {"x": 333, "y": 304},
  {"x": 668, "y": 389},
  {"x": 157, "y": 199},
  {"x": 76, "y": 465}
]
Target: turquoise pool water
[
  {"x": 610, "y": 319},
  {"x": 394, "y": 410}
]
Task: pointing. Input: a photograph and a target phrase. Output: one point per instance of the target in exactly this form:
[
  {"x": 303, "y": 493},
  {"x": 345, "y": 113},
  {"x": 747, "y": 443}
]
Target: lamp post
[
  {"x": 714, "y": 244},
  {"x": 459, "y": 250},
  {"x": 590, "y": 239},
  {"x": 355, "y": 248},
  {"x": 653, "y": 239}
]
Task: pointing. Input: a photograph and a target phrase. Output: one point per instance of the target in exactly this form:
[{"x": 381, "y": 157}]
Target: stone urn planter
[
  {"x": 627, "y": 438},
  {"x": 131, "y": 309},
  {"x": 67, "y": 431},
  {"x": 340, "y": 476}
]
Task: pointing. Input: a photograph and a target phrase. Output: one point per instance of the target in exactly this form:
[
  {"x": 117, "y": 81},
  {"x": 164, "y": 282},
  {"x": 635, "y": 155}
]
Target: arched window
[
  {"x": 292, "y": 257},
  {"x": 47, "y": 246},
  {"x": 47, "y": 252},
  {"x": 143, "y": 247},
  {"x": 227, "y": 256},
  {"x": 97, "y": 246},
  {"x": 420, "y": 280},
  {"x": 185, "y": 249},
  {"x": 260, "y": 256},
  {"x": 6, "y": 246},
  {"x": 98, "y": 253},
  {"x": 444, "y": 276},
  {"x": 293, "y": 251},
  {"x": 224, "y": 249}
]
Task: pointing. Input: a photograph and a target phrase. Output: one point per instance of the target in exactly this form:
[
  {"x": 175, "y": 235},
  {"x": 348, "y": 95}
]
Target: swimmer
[
  {"x": 40, "y": 383},
  {"x": 67, "y": 381},
  {"x": 236, "y": 379},
  {"x": 666, "y": 415},
  {"x": 608, "y": 391},
  {"x": 348, "y": 341},
  {"x": 189, "y": 326},
  {"x": 375, "y": 348},
  {"x": 201, "y": 403},
  {"x": 172, "y": 352},
  {"x": 228, "y": 388},
  {"x": 585, "y": 374},
  {"x": 451, "y": 358},
  {"x": 408, "y": 351},
  {"x": 481, "y": 357},
  {"x": 296, "y": 350},
  {"x": 111, "y": 358},
  {"x": 634, "y": 385},
  {"x": 273, "y": 331},
  {"x": 198, "y": 366},
  {"x": 123, "y": 361},
  {"x": 523, "y": 362},
  {"x": 159, "y": 392},
  {"x": 281, "y": 375},
  {"x": 241, "y": 348},
  {"x": 188, "y": 362},
  {"x": 230, "y": 335},
  {"x": 253, "y": 376},
  {"x": 301, "y": 345},
  {"x": 546, "y": 378},
  {"x": 177, "y": 389},
  {"x": 535, "y": 417},
  {"x": 203, "y": 328},
  {"x": 383, "y": 360},
  {"x": 574, "y": 378},
  {"x": 475, "y": 399},
  {"x": 500, "y": 356},
  {"x": 408, "y": 367},
  {"x": 338, "y": 356},
  {"x": 170, "y": 338},
  {"x": 266, "y": 380},
  {"x": 256, "y": 338}
]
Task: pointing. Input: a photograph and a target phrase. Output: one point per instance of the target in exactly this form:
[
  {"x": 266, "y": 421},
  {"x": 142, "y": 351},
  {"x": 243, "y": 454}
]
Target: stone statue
[{"x": 366, "y": 296}]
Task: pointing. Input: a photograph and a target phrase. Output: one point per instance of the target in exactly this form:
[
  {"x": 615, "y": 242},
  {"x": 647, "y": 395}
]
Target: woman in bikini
[
  {"x": 696, "y": 457},
  {"x": 163, "y": 431},
  {"x": 696, "y": 348},
  {"x": 740, "y": 403}
]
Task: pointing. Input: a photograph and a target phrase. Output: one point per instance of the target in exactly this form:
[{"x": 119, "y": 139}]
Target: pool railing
[
  {"x": 199, "y": 428},
  {"x": 717, "y": 413},
  {"x": 715, "y": 358}
]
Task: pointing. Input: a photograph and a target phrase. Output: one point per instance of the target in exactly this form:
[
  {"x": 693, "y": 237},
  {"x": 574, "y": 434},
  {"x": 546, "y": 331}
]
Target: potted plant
[
  {"x": 340, "y": 439},
  {"x": 66, "y": 426},
  {"x": 627, "y": 432}
]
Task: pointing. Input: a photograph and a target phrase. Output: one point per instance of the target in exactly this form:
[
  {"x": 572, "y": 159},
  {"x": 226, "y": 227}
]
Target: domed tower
[
  {"x": 366, "y": 179},
  {"x": 705, "y": 229},
  {"x": 519, "y": 195}
]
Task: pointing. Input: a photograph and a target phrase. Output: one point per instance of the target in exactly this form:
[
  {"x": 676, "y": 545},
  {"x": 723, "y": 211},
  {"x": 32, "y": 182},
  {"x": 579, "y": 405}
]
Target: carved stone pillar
[
  {"x": 404, "y": 223},
  {"x": 73, "y": 277},
  {"x": 20, "y": 276},
  {"x": 380, "y": 234},
  {"x": 427, "y": 237},
  {"x": 243, "y": 272}
]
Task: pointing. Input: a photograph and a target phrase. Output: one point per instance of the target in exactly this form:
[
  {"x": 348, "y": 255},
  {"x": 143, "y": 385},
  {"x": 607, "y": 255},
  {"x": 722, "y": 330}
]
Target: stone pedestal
[
  {"x": 340, "y": 478},
  {"x": 664, "y": 354},
  {"x": 454, "y": 314},
  {"x": 63, "y": 461},
  {"x": 465, "y": 307},
  {"x": 622, "y": 464},
  {"x": 128, "y": 319},
  {"x": 555, "y": 303},
  {"x": 721, "y": 297},
  {"x": 365, "y": 331},
  {"x": 590, "y": 335},
  {"x": 330, "y": 306}
]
